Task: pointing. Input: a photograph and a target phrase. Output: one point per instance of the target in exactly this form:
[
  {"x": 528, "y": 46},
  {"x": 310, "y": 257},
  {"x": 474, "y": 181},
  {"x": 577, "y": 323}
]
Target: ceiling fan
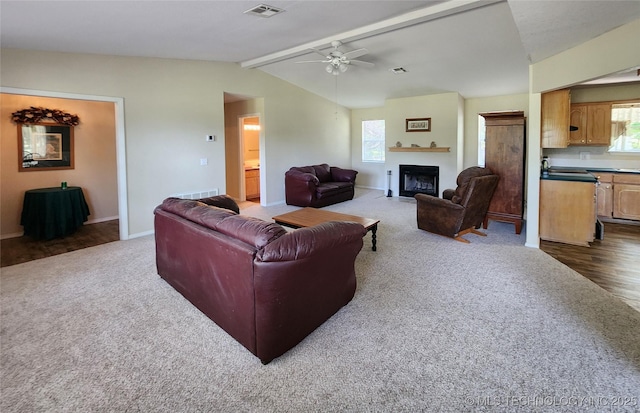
[{"x": 338, "y": 61}]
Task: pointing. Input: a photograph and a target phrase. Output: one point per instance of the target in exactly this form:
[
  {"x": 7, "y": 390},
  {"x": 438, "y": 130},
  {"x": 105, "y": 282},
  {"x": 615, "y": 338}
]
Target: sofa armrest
[
  {"x": 437, "y": 204},
  {"x": 293, "y": 175},
  {"x": 300, "y": 188},
  {"x": 305, "y": 242},
  {"x": 343, "y": 175},
  {"x": 221, "y": 201}
]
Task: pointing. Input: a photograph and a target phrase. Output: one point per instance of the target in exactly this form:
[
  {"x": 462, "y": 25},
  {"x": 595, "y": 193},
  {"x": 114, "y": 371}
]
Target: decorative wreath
[{"x": 36, "y": 115}]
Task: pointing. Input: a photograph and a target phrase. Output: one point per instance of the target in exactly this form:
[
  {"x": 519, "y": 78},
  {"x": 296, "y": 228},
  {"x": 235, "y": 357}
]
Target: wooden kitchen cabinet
[
  {"x": 505, "y": 156},
  {"x": 604, "y": 195},
  {"x": 252, "y": 183},
  {"x": 578, "y": 118},
  {"x": 599, "y": 124},
  {"x": 594, "y": 124},
  {"x": 567, "y": 211},
  {"x": 555, "y": 116},
  {"x": 626, "y": 196}
]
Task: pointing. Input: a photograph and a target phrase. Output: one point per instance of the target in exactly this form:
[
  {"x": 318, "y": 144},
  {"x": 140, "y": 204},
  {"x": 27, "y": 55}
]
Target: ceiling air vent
[
  {"x": 264, "y": 10},
  {"x": 398, "y": 70}
]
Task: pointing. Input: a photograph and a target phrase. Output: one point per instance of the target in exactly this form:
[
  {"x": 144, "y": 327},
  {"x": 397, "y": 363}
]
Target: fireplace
[{"x": 419, "y": 179}]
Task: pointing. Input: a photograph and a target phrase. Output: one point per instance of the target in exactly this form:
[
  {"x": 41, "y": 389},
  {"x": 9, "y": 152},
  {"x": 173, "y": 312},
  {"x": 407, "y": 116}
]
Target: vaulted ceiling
[{"x": 476, "y": 48}]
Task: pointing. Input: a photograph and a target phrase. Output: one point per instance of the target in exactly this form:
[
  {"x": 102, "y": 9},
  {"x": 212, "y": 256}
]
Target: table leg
[{"x": 374, "y": 229}]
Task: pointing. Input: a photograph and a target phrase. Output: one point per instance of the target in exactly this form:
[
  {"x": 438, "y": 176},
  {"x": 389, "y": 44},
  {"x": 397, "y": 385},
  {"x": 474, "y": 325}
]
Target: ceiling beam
[{"x": 446, "y": 8}]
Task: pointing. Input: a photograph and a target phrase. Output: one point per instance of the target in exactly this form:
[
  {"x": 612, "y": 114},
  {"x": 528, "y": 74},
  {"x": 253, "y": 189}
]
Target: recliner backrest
[{"x": 464, "y": 180}]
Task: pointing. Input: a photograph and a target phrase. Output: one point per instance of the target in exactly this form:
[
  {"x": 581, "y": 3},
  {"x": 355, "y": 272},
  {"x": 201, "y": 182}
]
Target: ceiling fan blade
[
  {"x": 320, "y": 52},
  {"x": 361, "y": 63},
  {"x": 314, "y": 61},
  {"x": 355, "y": 53}
]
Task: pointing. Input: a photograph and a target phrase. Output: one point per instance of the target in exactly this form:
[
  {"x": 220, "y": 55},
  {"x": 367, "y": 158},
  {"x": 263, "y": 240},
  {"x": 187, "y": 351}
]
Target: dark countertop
[
  {"x": 615, "y": 170},
  {"x": 569, "y": 176},
  {"x": 572, "y": 173}
]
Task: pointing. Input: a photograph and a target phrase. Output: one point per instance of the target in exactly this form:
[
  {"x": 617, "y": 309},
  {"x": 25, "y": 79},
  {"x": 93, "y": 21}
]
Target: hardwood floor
[
  {"x": 22, "y": 249},
  {"x": 613, "y": 263}
]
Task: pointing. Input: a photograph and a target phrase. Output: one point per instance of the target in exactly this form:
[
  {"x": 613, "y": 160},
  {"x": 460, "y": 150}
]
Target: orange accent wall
[{"x": 95, "y": 160}]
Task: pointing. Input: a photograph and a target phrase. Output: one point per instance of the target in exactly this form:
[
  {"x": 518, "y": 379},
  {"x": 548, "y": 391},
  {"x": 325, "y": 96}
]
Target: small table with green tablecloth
[{"x": 49, "y": 213}]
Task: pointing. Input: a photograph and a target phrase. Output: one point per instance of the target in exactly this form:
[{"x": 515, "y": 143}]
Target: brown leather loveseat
[
  {"x": 266, "y": 287},
  {"x": 319, "y": 185}
]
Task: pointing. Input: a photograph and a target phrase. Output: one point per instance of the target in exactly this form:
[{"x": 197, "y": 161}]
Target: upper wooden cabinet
[
  {"x": 578, "y": 118},
  {"x": 556, "y": 107},
  {"x": 599, "y": 124},
  {"x": 594, "y": 124}
]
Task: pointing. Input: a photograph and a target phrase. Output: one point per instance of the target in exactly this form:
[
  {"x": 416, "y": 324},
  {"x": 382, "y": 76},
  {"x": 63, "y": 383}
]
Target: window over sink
[{"x": 625, "y": 127}]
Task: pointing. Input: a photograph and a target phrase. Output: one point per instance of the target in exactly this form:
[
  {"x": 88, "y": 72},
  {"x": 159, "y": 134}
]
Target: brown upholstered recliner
[{"x": 459, "y": 211}]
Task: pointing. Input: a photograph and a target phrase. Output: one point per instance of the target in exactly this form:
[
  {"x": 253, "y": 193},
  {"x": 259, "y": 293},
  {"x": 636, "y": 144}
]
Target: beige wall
[
  {"x": 94, "y": 159},
  {"x": 443, "y": 109},
  {"x": 171, "y": 105},
  {"x": 373, "y": 175}
]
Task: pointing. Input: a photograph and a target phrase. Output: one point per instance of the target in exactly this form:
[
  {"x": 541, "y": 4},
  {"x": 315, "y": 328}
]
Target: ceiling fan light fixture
[{"x": 343, "y": 67}]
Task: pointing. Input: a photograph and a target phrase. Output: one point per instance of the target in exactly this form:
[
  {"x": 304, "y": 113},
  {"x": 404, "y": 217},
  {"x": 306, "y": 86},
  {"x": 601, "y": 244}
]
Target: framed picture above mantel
[{"x": 418, "y": 125}]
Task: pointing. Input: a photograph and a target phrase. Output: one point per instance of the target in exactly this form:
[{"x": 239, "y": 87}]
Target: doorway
[
  {"x": 249, "y": 142},
  {"x": 120, "y": 167}
]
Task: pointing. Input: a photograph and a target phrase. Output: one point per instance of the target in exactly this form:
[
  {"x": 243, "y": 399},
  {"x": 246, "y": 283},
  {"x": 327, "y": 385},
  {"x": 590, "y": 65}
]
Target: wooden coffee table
[{"x": 308, "y": 217}]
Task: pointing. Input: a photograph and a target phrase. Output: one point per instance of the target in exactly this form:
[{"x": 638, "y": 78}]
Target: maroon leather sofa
[
  {"x": 318, "y": 185},
  {"x": 266, "y": 287}
]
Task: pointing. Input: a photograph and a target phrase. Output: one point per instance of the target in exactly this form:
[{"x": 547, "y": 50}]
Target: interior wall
[
  {"x": 94, "y": 159},
  {"x": 170, "y": 105},
  {"x": 443, "y": 109},
  {"x": 612, "y": 52}
]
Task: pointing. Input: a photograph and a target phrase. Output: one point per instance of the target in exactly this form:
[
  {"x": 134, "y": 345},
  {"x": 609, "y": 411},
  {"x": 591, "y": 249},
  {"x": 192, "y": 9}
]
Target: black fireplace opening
[{"x": 419, "y": 179}]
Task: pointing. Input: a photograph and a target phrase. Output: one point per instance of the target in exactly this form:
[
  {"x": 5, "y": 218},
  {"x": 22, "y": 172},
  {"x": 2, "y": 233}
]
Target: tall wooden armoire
[{"x": 505, "y": 156}]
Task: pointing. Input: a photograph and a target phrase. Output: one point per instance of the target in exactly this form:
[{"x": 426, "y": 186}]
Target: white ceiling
[{"x": 476, "y": 48}]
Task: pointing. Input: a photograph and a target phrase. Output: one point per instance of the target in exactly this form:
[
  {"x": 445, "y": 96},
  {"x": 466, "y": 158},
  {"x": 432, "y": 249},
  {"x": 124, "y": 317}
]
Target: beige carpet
[{"x": 435, "y": 325}]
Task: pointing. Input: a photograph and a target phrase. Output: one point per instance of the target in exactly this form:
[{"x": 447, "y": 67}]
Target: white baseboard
[
  {"x": 141, "y": 234},
  {"x": 370, "y": 187},
  {"x": 98, "y": 220}
]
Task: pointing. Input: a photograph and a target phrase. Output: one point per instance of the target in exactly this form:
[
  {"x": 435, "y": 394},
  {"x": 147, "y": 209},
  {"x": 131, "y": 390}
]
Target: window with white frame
[
  {"x": 373, "y": 143},
  {"x": 625, "y": 128}
]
